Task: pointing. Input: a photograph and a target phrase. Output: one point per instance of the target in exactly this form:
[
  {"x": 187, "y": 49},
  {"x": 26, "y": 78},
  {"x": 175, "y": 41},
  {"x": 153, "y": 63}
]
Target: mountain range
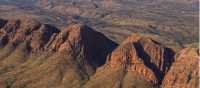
[
  {"x": 99, "y": 43},
  {"x": 36, "y": 55},
  {"x": 166, "y": 20}
]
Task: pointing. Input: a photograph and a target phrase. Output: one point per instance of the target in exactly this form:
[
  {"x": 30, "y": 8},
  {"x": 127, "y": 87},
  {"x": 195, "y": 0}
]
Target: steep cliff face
[
  {"x": 138, "y": 58},
  {"x": 154, "y": 56},
  {"x": 36, "y": 55},
  {"x": 74, "y": 39},
  {"x": 184, "y": 72},
  {"x": 56, "y": 58},
  {"x": 78, "y": 38}
]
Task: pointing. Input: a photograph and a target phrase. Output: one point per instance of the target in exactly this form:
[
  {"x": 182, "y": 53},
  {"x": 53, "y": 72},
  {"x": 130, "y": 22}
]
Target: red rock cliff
[
  {"x": 184, "y": 72},
  {"x": 143, "y": 55}
]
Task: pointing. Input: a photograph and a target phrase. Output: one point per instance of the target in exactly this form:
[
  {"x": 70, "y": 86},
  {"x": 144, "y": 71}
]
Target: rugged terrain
[
  {"x": 37, "y": 55},
  {"x": 172, "y": 22},
  {"x": 99, "y": 44}
]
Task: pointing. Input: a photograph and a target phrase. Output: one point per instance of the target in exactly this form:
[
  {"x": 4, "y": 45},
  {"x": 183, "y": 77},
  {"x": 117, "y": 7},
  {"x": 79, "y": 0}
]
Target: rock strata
[
  {"x": 144, "y": 56},
  {"x": 36, "y": 55},
  {"x": 184, "y": 72}
]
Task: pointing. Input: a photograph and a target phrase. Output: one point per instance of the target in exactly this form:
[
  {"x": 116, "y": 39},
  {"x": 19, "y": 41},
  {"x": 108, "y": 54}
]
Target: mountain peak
[
  {"x": 77, "y": 47},
  {"x": 76, "y": 39},
  {"x": 77, "y": 52},
  {"x": 141, "y": 55}
]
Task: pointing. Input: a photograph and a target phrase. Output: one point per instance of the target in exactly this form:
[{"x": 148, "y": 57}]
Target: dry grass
[{"x": 137, "y": 22}]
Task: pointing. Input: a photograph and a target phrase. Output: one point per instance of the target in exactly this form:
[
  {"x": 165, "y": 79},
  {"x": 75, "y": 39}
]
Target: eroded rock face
[
  {"x": 184, "y": 71},
  {"x": 36, "y": 55},
  {"x": 78, "y": 39},
  {"x": 138, "y": 61},
  {"x": 20, "y": 30},
  {"x": 128, "y": 58},
  {"x": 88, "y": 47},
  {"x": 143, "y": 55},
  {"x": 57, "y": 58}
]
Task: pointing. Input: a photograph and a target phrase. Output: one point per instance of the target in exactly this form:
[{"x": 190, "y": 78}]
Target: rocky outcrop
[
  {"x": 20, "y": 30},
  {"x": 76, "y": 39},
  {"x": 144, "y": 56},
  {"x": 184, "y": 72},
  {"x": 67, "y": 56},
  {"x": 138, "y": 58},
  {"x": 36, "y": 55}
]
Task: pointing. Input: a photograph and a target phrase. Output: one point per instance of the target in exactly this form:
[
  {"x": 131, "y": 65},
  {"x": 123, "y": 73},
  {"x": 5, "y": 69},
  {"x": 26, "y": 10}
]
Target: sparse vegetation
[
  {"x": 37, "y": 56},
  {"x": 137, "y": 22}
]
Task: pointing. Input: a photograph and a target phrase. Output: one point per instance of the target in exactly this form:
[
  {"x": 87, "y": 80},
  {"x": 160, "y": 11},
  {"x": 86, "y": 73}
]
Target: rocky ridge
[
  {"x": 77, "y": 56},
  {"x": 145, "y": 56},
  {"x": 184, "y": 72}
]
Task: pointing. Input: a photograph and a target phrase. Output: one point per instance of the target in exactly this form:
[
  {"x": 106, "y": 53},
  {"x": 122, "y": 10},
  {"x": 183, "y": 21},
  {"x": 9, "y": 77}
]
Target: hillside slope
[{"x": 37, "y": 55}]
